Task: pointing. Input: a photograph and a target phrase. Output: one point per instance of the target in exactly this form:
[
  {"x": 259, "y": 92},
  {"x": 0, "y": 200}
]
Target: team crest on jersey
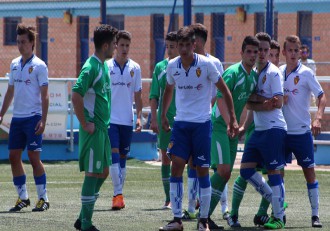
[
  {"x": 198, "y": 72},
  {"x": 30, "y": 69},
  {"x": 264, "y": 79},
  {"x": 296, "y": 80},
  {"x": 131, "y": 73}
]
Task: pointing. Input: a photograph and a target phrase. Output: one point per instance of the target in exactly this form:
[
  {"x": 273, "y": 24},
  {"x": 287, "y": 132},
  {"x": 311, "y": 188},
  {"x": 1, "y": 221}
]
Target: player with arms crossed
[{"x": 158, "y": 85}]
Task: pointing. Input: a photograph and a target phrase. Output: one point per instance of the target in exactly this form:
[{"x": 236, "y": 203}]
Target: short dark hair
[
  {"x": 171, "y": 36},
  {"x": 304, "y": 46},
  {"x": 200, "y": 31},
  {"x": 291, "y": 39},
  {"x": 123, "y": 34},
  {"x": 262, "y": 36},
  {"x": 250, "y": 40},
  {"x": 104, "y": 34},
  {"x": 30, "y": 31},
  {"x": 275, "y": 45},
  {"x": 186, "y": 33}
]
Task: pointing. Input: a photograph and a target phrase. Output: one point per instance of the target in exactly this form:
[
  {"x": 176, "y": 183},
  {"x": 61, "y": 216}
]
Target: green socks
[
  {"x": 88, "y": 201},
  {"x": 218, "y": 184},
  {"x": 166, "y": 173},
  {"x": 238, "y": 193}
]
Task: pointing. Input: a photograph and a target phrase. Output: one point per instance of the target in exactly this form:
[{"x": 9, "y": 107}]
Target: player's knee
[{"x": 246, "y": 173}]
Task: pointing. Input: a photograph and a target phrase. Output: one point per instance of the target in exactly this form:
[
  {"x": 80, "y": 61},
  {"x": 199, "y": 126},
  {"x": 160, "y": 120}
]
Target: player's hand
[
  {"x": 232, "y": 130},
  {"x": 40, "y": 127},
  {"x": 89, "y": 127},
  {"x": 285, "y": 99},
  {"x": 241, "y": 132},
  {"x": 154, "y": 126},
  {"x": 165, "y": 124},
  {"x": 270, "y": 104},
  {"x": 138, "y": 125},
  {"x": 316, "y": 127},
  {"x": 1, "y": 119}
]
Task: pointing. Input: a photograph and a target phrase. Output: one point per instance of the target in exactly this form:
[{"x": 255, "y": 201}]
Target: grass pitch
[{"x": 144, "y": 197}]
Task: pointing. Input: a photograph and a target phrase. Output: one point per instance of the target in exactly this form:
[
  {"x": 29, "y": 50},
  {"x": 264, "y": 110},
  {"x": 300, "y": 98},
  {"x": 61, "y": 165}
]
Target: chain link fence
[{"x": 65, "y": 29}]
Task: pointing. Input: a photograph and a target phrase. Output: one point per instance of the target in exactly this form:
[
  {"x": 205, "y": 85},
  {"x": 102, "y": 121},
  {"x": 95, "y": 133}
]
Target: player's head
[
  {"x": 26, "y": 37},
  {"x": 105, "y": 39},
  {"x": 304, "y": 52},
  {"x": 123, "y": 44},
  {"x": 291, "y": 49},
  {"x": 186, "y": 41},
  {"x": 249, "y": 51},
  {"x": 264, "y": 47},
  {"x": 171, "y": 44},
  {"x": 274, "y": 54},
  {"x": 200, "y": 36}
]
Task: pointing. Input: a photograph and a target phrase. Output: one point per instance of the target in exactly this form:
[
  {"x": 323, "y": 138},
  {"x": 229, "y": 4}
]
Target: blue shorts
[
  {"x": 120, "y": 137},
  {"x": 302, "y": 147},
  {"x": 267, "y": 148},
  {"x": 191, "y": 139},
  {"x": 22, "y": 133}
]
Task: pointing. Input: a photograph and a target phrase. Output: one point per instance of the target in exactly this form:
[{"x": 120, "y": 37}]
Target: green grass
[{"x": 143, "y": 196}]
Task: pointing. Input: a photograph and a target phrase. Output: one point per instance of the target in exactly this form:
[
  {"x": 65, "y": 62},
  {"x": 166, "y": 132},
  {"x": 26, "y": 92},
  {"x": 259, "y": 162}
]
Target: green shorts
[
  {"x": 164, "y": 137},
  {"x": 94, "y": 150},
  {"x": 223, "y": 149}
]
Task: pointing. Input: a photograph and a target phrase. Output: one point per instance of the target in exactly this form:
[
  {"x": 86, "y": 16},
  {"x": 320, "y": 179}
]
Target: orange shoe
[{"x": 118, "y": 202}]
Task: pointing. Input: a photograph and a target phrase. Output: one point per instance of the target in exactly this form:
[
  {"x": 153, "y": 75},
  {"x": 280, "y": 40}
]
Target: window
[
  {"x": 259, "y": 25},
  {"x": 305, "y": 28},
  {"x": 199, "y": 18},
  {"x": 275, "y": 35},
  {"x": 175, "y": 22},
  {"x": 116, "y": 20},
  {"x": 10, "y": 30}
]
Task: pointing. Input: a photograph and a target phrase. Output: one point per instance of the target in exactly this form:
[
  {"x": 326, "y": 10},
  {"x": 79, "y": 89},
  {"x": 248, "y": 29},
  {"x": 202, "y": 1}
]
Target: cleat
[
  {"x": 274, "y": 223},
  {"x": 172, "y": 226},
  {"x": 285, "y": 205},
  {"x": 316, "y": 222},
  {"x": 92, "y": 228},
  {"x": 188, "y": 216},
  {"x": 41, "y": 206},
  {"x": 203, "y": 225},
  {"x": 167, "y": 205},
  {"x": 118, "y": 202},
  {"x": 213, "y": 225},
  {"x": 232, "y": 221},
  {"x": 225, "y": 215},
  {"x": 197, "y": 204},
  {"x": 77, "y": 225},
  {"x": 19, "y": 205},
  {"x": 260, "y": 220}
]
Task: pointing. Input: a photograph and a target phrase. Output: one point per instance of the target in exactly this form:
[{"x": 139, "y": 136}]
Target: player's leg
[
  {"x": 224, "y": 203},
  {"x": 163, "y": 142},
  {"x": 192, "y": 190},
  {"x": 179, "y": 150},
  {"x": 16, "y": 144}
]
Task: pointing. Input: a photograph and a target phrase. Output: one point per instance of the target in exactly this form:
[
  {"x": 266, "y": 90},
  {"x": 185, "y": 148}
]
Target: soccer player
[
  {"x": 191, "y": 75},
  {"x": 266, "y": 144},
  {"x": 126, "y": 84},
  {"x": 241, "y": 80},
  {"x": 28, "y": 86},
  {"x": 200, "y": 39},
  {"x": 240, "y": 184},
  {"x": 156, "y": 98},
  {"x": 91, "y": 100},
  {"x": 299, "y": 83}
]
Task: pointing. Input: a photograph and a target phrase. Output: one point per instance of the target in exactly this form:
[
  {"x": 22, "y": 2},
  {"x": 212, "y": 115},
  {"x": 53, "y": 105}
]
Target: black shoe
[
  {"x": 41, "y": 206},
  {"x": 260, "y": 220},
  {"x": 77, "y": 225},
  {"x": 232, "y": 221},
  {"x": 19, "y": 205},
  {"x": 316, "y": 222},
  {"x": 213, "y": 225},
  {"x": 92, "y": 228}
]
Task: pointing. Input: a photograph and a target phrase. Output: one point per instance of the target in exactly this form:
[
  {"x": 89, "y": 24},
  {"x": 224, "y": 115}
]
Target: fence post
[
  {"x": 103, "y": 9},
  {"x": 269, "y": 17}
]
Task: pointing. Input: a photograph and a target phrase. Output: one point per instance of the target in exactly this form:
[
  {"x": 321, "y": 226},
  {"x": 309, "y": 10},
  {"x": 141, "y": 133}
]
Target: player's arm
[
  {"x": 40, "y": 128},
  {"x": 221, "y": 85},
  {"x": 153, "y": 101},
  {"x": 316, "y": 125},
  {"x": 260, "y": 103},
  {"x": 78, "y": 105},
  {"x": 167, "y": 98},
  {"x": 247, "y": 122},
  {"x": 7, "y": 101},
  {"x": 138, "y": 107}
]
